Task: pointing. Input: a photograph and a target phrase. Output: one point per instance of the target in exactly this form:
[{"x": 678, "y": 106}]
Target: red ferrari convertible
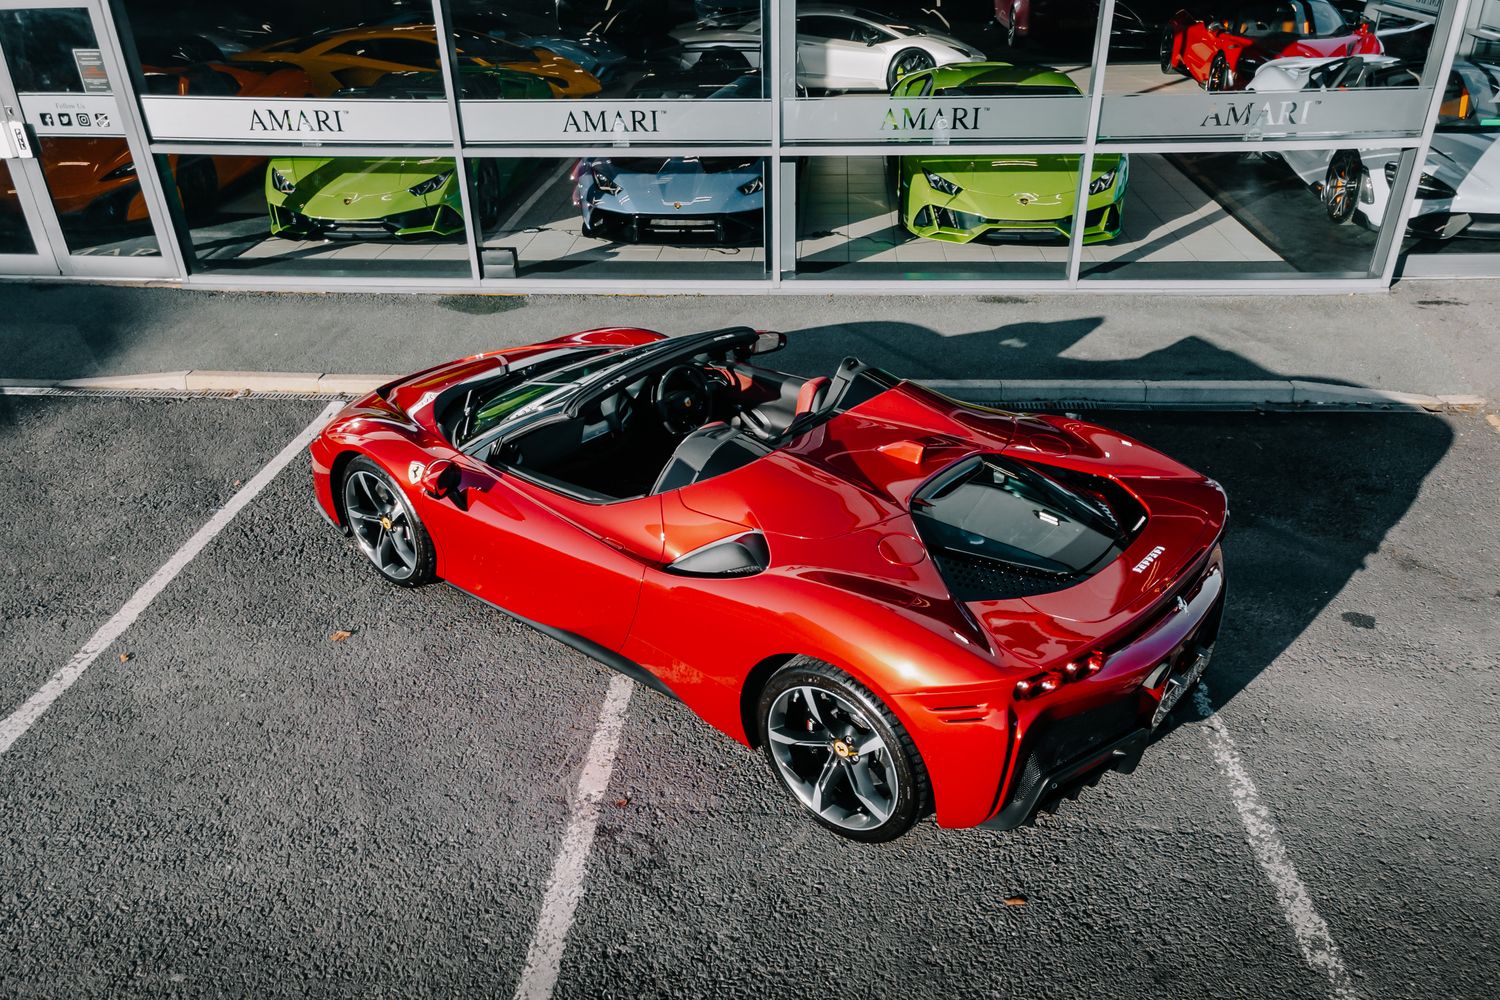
[
  {"x": 1223, "y": 54},
  {"x": 910, "y": 604}
]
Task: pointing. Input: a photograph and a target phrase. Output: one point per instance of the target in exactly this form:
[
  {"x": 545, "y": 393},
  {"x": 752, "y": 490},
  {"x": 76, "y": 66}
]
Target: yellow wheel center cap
[
  {"x": 385, "y": 523},
  {"x": 842, "y": 749}
]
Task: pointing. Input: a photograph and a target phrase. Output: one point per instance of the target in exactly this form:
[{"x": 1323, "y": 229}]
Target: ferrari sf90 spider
[
  {"x": 1224, "y": 54},
  {"x": 908, "y": 603}
]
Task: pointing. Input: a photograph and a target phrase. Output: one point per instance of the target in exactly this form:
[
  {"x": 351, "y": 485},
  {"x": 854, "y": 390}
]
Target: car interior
[{"x": 678, "y": 423}]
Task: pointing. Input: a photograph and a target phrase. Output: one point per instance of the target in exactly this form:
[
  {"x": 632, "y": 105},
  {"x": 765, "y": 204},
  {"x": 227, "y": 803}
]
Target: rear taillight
[{"x": 1048, "y": 681}]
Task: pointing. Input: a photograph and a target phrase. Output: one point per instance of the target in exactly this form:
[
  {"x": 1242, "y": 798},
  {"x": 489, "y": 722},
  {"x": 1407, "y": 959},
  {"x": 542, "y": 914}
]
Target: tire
[
  {"x": 1220, "y": 76},
  {"x": 905, "y": 63},
  {"x": 812, "y": 721},
  {"x": 1168, "y": 51},
  {"x": 1010, "y": 29},
  {"x": 198, "y": 186},
  {"x": 1341, "y": 186},
  {"x": 384, "y": 526},
  {"x": 487, "y": 195}
]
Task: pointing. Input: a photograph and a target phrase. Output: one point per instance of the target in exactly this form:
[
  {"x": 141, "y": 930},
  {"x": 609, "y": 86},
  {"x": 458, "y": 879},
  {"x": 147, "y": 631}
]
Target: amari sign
[
  {"x": 616, "y": 122},
  {"x": 1251, "y": 116},
  {"x": 234, "y": 119},
  {"x": 934, "y": 119}
]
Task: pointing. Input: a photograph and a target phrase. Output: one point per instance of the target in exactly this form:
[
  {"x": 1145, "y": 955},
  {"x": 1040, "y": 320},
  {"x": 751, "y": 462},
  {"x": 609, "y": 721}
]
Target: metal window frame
[{"x": 779, "y": 38}]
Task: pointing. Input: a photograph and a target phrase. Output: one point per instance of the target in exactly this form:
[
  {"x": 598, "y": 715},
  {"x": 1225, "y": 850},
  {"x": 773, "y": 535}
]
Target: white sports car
[
  {"x": 838, "y": 48},
  {"x": 1459, "y": 191}
]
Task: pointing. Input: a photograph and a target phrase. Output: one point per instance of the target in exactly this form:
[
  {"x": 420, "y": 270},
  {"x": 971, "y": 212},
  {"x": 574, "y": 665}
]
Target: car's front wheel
[
  {"x": 1169, "y": 50},
  {"x": 1220, "y": 76},
  {"x": 907, "y": 62},
  {"x": 385, "y": 527},
  {"x": 1341, "y": 186},
  {"x": 840, "y": 752}
]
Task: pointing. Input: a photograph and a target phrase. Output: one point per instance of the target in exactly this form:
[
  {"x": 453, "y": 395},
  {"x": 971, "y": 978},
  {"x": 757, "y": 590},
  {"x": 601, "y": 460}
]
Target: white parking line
[
  {"x": 565, "y": 889},
  {"x": 1317, "y": 945},
  {"x": 22, "y": 719}
]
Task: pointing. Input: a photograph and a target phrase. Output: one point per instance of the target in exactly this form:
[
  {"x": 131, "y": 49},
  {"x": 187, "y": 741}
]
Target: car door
[
  {"x": 554, "y": 560},
  {"x": 830, "y": 55}
]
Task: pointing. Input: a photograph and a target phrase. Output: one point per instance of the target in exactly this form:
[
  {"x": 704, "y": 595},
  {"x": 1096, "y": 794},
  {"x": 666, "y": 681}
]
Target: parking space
[{"x": 248, "y": 806}]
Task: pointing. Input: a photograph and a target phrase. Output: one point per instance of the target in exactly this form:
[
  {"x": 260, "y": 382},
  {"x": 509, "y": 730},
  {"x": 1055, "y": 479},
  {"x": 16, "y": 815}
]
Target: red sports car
[
  {"x": 911, "y": 604},
  {"x": 1224, "y": 53}
]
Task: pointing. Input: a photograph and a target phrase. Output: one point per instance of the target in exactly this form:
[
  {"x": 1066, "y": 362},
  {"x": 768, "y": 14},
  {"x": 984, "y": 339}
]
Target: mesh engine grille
[{"x": 983, "y": 580}]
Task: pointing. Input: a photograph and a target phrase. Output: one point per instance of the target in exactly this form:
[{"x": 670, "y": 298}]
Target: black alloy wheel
[
  {"x": 487, "y": 195},
  {"x": 841, "y": 753},
  {"x": 1168, "y": 44},
  {"x": 1341, "y": 186},
  {"x": 1220, "y": 76},
  {"x": 907, "y": 62},
  {"x": 385, "y": 527}
]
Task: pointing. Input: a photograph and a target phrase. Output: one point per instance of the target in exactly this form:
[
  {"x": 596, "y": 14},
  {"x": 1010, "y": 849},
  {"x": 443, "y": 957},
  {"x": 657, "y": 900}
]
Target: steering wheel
[{"x": 683, "y": 398}]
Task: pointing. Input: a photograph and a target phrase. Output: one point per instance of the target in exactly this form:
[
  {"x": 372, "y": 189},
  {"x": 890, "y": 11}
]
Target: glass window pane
[
  {"x": 15, "y": 237},
  {"x": 322, "y": 48},
  {"x": 622, "y": 216},
  {"x": 942, "y": 72},
  {"x": 1236, "y": 215},
  {"x": 97, "y": 196},
  {"x": 942, "y": 216},
  {"x": 41, "y": 46},
  {"x": 323, "y": 215},
  {"x": 1265, "y": 69}
]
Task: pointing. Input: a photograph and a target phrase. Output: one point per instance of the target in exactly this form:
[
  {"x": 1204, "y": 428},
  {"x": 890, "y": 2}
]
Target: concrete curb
[{"x": 1102, "y": 394}]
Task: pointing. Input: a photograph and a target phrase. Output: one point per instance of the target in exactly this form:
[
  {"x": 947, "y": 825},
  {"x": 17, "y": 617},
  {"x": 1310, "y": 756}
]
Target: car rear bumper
[{"x": 1067, "y": 745}]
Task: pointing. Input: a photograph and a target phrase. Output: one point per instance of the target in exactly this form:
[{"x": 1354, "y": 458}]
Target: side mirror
[
  {"x": 768, "y": 341},
  {"x": 440, "y": 479},
  {"x": 1217, "y": 27}
]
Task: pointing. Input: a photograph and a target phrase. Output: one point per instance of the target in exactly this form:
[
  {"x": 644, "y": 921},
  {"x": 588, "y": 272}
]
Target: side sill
[{"x": 587, "y": 647}]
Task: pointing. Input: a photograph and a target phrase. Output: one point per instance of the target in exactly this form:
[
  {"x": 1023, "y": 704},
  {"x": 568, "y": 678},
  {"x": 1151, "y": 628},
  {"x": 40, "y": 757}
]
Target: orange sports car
[
  {"x": 357, "y": 57},
  {"x": 96, "y": 177}
]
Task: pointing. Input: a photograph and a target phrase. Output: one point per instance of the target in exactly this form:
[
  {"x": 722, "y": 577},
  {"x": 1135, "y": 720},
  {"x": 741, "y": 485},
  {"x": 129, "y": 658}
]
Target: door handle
[{"x": 15, "y": 144}]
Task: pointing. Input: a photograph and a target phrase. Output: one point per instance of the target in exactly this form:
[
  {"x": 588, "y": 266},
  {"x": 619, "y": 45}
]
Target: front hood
[
  {"x": 1045, "y": 176},
  {"x": 681, "y": 186},
  {"x": 351, "y": 188}
]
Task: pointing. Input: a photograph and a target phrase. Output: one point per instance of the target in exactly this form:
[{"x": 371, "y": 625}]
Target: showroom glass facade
[{"x": 624, "y": 145}]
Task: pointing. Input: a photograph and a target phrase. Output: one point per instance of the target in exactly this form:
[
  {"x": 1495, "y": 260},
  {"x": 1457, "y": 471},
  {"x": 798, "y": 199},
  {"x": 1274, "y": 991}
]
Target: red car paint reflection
[{"x": 1223, "y": 53}]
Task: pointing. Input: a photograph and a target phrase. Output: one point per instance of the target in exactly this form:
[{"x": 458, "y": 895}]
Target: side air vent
[{"x": 739, "y": 555}]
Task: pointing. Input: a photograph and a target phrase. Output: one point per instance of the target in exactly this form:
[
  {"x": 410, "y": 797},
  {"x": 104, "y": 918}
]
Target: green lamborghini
[
  {"x": 1003, "y": 197},
  {"x": 360, "y": 197}
]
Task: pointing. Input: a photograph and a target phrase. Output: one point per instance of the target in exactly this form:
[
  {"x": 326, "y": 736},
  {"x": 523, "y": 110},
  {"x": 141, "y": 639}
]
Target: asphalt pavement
[{"x": 232, "y": 802}]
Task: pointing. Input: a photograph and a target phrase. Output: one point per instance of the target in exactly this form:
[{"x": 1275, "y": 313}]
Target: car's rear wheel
[
  {"x": 840, "y": 752},
  {"x": 907, "y": 62},
  {"x": 1220, "y": 76},
  {"x": 1341, "y": 186},
  {"x": 385, "y": 527},
  {"x": 487, "y": 195},
  {"x": 1168, "y": 50}
]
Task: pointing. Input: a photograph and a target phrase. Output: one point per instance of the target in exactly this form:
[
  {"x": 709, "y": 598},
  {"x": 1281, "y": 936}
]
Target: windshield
[
  {"x": 1000, "y": 512},
  {"x": 1471, "y": 102},
  {"x": 1302, "y": 19}
]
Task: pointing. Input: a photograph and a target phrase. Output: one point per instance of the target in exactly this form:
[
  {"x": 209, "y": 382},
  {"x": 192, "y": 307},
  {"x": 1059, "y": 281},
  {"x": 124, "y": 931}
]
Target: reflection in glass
[
  {"x": 984, "y": 218},
  {"x": 97, "y": 196},
  {"x": 664, "y": 217},
  {"x": 39, "y": 49},
  {"x": 1457, "y": 208},
  {"x": 843, "y": 49},
  {"x": 329, "y": 216},
  {"x": 1235, "y": 215},
  {"x": 15, "y": 237}
]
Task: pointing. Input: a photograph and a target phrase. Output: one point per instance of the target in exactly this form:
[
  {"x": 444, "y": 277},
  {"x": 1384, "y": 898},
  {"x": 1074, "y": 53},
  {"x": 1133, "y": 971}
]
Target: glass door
[{"x": 72, "y": 199}]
